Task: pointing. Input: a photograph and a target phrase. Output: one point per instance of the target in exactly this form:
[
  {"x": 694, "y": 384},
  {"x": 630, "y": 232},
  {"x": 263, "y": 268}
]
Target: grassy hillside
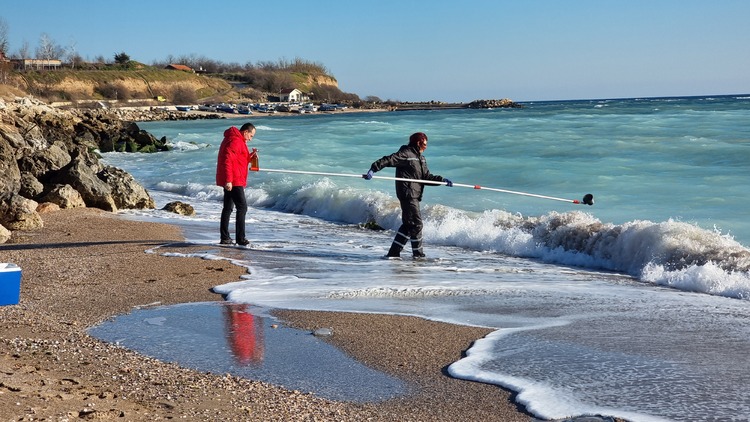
[
  {"x": 133, "y": 82},
  {"x": 146, "y": 83}
]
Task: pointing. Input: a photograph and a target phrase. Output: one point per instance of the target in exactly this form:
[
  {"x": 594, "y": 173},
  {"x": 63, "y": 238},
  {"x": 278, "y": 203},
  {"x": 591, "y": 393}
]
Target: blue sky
[{"x": 412, "y": 50}]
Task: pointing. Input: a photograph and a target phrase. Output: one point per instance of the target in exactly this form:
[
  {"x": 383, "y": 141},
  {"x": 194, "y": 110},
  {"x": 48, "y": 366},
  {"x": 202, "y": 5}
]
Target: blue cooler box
[{"x": 10, "y": 284}]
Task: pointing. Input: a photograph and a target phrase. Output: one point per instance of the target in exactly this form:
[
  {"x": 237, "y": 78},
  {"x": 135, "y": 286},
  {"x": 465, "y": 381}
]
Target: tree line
[{"x": 262, "y": 76}]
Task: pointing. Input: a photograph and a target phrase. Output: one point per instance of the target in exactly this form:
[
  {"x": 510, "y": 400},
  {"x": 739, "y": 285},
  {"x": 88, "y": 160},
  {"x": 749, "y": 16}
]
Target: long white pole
[{"x": 590, "y": 200}]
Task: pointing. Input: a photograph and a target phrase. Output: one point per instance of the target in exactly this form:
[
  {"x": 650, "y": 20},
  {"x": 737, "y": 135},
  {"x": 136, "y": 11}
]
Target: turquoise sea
[{"x": 637, "y": 306}]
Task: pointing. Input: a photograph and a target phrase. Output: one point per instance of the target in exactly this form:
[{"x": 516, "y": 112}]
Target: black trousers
[
  {"x": 410, "y": 230},
  {"x": 234, "y": 198}
]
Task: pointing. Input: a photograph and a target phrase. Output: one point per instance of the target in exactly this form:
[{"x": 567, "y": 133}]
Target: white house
[{"x": 291, "y": 95}]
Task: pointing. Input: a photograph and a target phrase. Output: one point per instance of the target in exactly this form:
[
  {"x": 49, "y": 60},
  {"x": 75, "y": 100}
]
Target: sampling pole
[{"x": 588, "y": 199}]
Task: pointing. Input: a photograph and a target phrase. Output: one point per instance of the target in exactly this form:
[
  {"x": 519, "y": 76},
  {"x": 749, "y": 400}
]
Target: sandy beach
[{"x": 86, "y": 265}]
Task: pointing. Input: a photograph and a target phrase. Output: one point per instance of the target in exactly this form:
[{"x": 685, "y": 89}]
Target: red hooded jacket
[{"x": 234, "y": 159}]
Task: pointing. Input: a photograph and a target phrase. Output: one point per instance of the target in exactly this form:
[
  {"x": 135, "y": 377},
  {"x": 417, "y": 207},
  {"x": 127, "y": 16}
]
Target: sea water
[{"x": 637, "y": 306}]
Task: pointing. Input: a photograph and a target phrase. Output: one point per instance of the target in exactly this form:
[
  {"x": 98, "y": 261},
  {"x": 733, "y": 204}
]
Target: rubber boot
[
  {"x": 395, "y": 250},
  {"x": 416, "y": 248},
  {"x": 398, "y": 245}
]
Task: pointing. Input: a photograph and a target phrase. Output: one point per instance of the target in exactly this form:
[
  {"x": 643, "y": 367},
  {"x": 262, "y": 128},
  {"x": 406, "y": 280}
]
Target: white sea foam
[
  {"x": 261, "y": 128},
  {"x": 187, "y": 146},
  {"x": 670, "y": 253}
]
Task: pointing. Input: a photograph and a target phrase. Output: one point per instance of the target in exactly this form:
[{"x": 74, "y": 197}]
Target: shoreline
[
  {"x": 186, "y": 115},
  {"x": 78, "y": 271}
]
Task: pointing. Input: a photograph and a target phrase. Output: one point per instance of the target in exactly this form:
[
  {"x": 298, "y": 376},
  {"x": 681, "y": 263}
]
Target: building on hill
[
  {"x": 36, "y": 64},
  {"x": 292, "y": 95},
  {"x": 181, "y": 67}
]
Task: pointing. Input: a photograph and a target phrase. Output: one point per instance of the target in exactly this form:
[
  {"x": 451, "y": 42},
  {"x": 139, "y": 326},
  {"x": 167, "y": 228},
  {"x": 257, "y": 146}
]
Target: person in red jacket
[{"x": 231, "y": 174}]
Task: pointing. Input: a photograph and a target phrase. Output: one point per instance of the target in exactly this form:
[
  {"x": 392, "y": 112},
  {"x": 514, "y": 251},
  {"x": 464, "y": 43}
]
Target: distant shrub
[
  {"x": 114, "y": 91},
  {"x": 122, "y": 58},
  {"x": 73, "y": 96},
  {"x": 252, "y": 94},
  {"x": 332, "y": 94},
  {"x": 183, "y": 94}
]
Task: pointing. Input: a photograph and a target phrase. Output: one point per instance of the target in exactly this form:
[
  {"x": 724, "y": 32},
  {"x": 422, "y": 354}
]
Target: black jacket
[{"x": 410, "y": 164}]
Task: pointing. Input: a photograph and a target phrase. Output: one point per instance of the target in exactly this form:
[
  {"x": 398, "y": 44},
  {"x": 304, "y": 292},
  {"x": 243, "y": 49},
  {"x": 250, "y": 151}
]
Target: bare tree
[
  {"x": 3, "y": 37},
  {"x": 47, "y": 49},
  {"x": 23, "y": 51},
  {"x": 71, "y": 55},
  {"x": 4, "y": 66}
]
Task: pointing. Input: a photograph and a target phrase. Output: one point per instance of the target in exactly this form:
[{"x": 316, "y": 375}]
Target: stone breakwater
[
  {"x": 148, "y": 114},
  {"x": 503, "y": 103},
  {"x": 433, "y": 105},
  {"x": 48, "y": 159}
]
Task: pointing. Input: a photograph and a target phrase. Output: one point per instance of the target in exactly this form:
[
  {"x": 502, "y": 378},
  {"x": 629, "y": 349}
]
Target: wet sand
[{"x": 87, "y": 265}]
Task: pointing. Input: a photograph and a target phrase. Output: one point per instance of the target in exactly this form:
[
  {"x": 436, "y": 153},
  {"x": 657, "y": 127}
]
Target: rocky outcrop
[
  {"x": 49, "y": 155},
  {"x": 504, "y": 103}
]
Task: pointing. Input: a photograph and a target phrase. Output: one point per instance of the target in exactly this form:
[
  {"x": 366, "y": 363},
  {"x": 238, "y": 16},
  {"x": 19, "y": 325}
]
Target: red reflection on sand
[{"x": 244, "y": 332}]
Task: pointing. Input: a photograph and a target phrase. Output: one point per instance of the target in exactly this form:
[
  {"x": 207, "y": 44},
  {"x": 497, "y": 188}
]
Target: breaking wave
[{"x": 668, "y": 253}]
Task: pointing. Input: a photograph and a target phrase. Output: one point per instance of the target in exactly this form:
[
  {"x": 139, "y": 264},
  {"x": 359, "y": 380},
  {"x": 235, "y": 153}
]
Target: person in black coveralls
[{"x": 410, "y": 164}]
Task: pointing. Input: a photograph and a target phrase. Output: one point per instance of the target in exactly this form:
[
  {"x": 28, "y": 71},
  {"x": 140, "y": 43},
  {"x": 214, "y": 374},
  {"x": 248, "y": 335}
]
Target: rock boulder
[
  {"x": 49, "y": 155},
  {"x": 179, "y": 207}
]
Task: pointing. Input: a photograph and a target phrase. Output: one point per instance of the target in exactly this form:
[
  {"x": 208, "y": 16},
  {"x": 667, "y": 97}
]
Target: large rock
[
  {"x": 31, "y": 187},
  {"x": 81, "y": 174},
  {"x": 10, "y": 175},
  {"x": 46, "y": 207},
  {"x": 179, "y": 207},
  {"x": 144, "y": 141},
  {"x": 19, "y": 213},
  {"x": 132, "y": 139},
  {"x": 41, "y": 161},
  {"x": 126, "y": 192},
  {"x": 4, "y": 234},
  {"x": 65, "y": 197}
]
